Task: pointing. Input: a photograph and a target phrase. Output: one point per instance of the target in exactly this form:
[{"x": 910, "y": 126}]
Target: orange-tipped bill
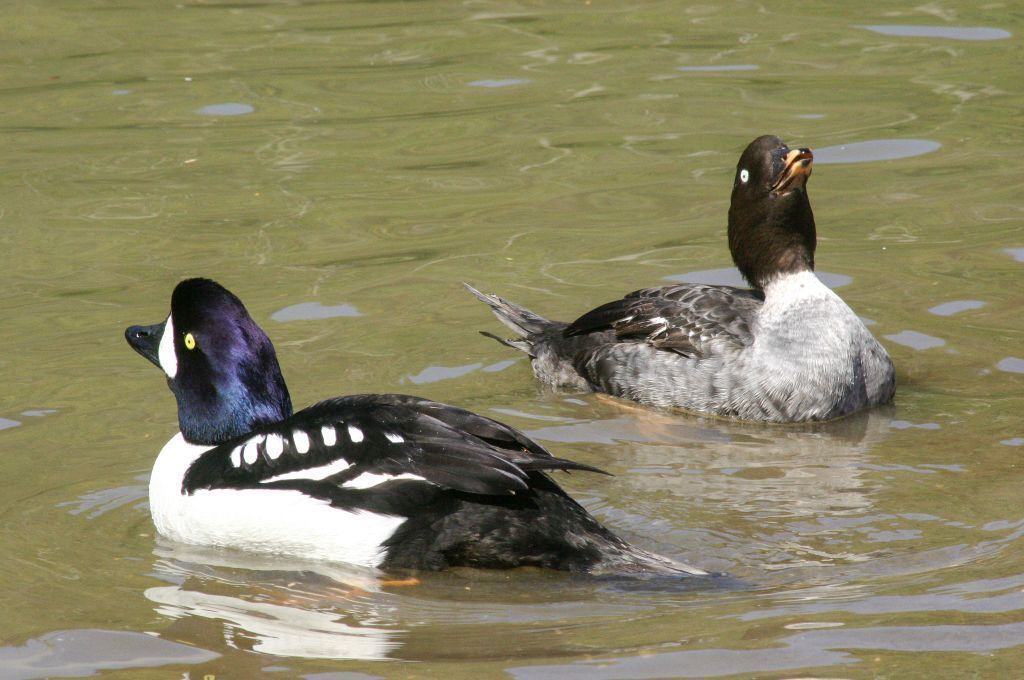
[{"x": 795, "y": 172}]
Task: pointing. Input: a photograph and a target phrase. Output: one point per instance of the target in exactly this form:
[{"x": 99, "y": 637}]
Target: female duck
[{"x": 787, "y": 350}]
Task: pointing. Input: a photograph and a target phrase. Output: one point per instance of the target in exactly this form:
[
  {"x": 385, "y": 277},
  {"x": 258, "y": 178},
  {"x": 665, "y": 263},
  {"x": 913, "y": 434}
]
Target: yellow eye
[{"x": 190, "y": 341}]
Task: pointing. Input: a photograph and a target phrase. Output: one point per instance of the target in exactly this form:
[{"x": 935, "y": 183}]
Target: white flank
[
  {"x": 301, "y": 441},
  {"x": 329, "y": 435},
  {"x": 168, "y": 359},
  {"x": 264, "y": 520},
  {"x": 355, "y": 434},
  {"x": 275, "y": 446},
  {"x": 236, "y": 456},
  {"x": 394, "y": 438},
  {"x": 320, "y": 472},
  {"x": 368, "y": 479}
]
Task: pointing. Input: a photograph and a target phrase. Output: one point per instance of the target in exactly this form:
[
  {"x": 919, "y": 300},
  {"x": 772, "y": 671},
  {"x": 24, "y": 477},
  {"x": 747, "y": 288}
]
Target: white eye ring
[{"x": 744, "y": 175}]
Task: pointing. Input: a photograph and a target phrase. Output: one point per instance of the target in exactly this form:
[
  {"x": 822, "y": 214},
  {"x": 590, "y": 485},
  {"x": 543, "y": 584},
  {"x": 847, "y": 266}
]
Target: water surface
[{"x": 343, "y": 167}]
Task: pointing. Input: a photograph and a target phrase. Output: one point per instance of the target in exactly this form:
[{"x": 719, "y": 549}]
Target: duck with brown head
[{"x": 787, "y": 349}]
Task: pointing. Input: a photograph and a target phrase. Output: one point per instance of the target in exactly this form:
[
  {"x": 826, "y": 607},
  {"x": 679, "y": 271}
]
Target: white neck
[{"x": 797, "y": 285}]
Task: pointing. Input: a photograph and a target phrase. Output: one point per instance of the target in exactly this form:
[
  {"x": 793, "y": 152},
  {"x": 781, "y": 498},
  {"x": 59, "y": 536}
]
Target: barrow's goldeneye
[
  {"x": 378, "y": 480},
  {"x": 786, "y": 350}
]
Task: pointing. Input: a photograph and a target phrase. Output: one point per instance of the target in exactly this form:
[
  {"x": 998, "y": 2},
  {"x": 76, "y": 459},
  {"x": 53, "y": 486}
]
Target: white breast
[{"x": 266, "y": 520}]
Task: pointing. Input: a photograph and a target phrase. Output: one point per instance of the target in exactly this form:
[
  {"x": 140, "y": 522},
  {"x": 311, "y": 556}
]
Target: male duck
[{"x": 379, "y": 480}]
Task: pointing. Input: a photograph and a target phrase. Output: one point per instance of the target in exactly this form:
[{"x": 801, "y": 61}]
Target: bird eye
[
  {"x": 744, "y": 175},
  {"x": 190, "y": 341}
]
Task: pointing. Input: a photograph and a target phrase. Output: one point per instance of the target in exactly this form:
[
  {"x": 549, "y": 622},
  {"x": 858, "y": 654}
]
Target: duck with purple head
[{"x": 383, "y": 481}]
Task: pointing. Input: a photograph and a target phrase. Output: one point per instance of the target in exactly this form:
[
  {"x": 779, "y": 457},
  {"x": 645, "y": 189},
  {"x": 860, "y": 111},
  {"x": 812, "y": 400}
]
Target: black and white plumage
[
  {"x": 378, "y": 480},
  {"x": 786, "y": 350}
]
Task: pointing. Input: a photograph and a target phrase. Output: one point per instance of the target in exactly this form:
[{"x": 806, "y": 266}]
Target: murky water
[{"x": 344, "y": 166}]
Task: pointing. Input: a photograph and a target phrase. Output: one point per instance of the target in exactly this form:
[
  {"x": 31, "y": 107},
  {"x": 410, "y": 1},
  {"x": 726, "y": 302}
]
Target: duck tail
[
  {"x": 636, "y": 562},
  {"x": 521, "y": 320}
]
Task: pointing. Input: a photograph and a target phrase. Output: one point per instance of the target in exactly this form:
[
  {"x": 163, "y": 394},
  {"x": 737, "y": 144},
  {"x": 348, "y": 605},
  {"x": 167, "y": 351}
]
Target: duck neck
[
  {"x": 775, "y": 241},
  {"x": 210, "y": 413}
]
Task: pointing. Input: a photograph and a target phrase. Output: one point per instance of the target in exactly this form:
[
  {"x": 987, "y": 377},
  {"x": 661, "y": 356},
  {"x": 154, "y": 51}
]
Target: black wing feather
[
  {"x": 447, "y": 446},
  {"x": 682, "y": 318}
]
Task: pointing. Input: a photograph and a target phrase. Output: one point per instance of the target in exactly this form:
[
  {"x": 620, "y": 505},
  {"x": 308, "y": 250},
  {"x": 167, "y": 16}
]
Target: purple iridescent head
[{"x": 220, "y": 365}]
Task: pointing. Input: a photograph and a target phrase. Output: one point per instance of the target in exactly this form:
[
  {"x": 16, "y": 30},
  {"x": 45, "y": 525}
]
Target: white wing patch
[
  {"x": 301, "y": 441},
  {"x": 368, "y": 479},
  {"x": 236, "y": 456},
  {"x": 394, "y": 438},
  {"x": 330, "y": 437},
  {"x": 275, "y": 446},
  {"x": 314, "y": 473},
  {"x": 355, "y": 434},
  {"x": 250, "y": 452}
]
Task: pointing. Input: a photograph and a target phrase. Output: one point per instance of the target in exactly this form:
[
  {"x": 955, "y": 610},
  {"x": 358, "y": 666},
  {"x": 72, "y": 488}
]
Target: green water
[{"x": 376, "y": 154}]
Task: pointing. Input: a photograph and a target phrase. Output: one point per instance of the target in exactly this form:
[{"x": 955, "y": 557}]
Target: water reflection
[
  {"x": 1015, "y": 253},
  {"x": 273, "y": 606},
  {"x": 948, "y": 32},
  {"x": 494, "y": 83},
  {"x": 720, "y": 67},
  {"x": 915, "y": 340},
  {"x": 292, "y": 608},
  {"x": 83, "y": 652},
  {"x": 309, "y": 311},
  {"x": 432, "y": 374},
  {"x": 6, "y": 423},
  {"x": 955, "y": 307},
  {"x": 743, "y": 466},
  {"x": 874, "y": 150},
  {"x": 907, "y": 425},
  {"x": 227, "y": 109},
  {"x": 282, "y": 629},
  {"x": 39, "y": 412},
  {"x": 803, "y": 650},
  {"x": 97, "y": 503},
  {"x": 1011, "y": 365}
]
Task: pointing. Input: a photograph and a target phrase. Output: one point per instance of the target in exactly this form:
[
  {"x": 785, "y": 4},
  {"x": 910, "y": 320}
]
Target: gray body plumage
[
  {"x": 799, "y": 354},
  {"x": 786, "y": 350}
]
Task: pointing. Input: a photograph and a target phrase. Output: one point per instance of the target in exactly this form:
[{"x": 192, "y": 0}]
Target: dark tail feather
[
  {"x": 515, "y": 343},
  {"x": 519, "y": 319},
  {"x": 636, "y": 562},
  {"x": 552, "y": 463}
]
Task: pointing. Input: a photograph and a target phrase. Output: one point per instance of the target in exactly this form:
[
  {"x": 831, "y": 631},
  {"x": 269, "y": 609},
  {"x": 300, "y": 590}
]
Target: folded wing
[
  {"x": 684, "y": 319},
  {"x": 361, "y": 441}
]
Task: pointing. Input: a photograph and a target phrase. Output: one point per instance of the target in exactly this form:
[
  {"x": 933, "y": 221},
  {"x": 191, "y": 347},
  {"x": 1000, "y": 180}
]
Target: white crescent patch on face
[{"x": 168, "y": 359}]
